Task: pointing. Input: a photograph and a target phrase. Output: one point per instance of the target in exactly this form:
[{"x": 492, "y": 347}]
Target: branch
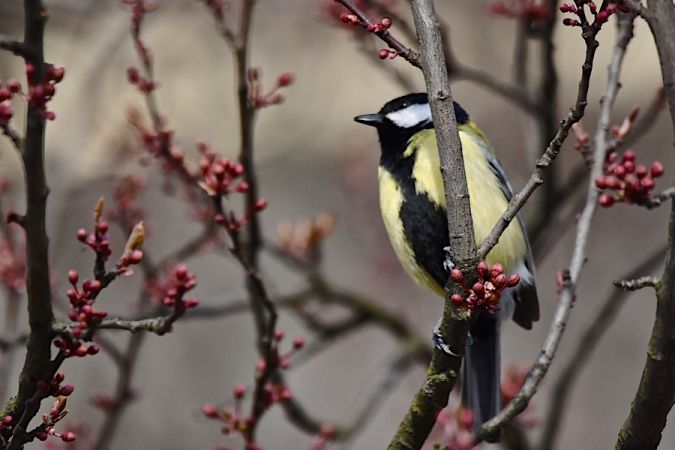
[
  {"x": 584, "y": 348},
  {"x": 38, "y": 283},
  {"x": 655, "y": 395},
  {"x": 406, "y": 53},
  {"x": 553, "y": 149},
  {"x": 637, "y": 283},
  {"x": 656, "y": 200},
  {"x": 14, "y": 46},
  {"x": 571, "y": 275},
  {"x": 443, "y": 370}
]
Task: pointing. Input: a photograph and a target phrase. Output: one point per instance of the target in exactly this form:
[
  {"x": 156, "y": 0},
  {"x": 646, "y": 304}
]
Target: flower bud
[
  {"x": 657, "y": 169},
  {"x": 606, "y": 200},
  {"x": 457, "y": 300},
  {"x": 286, "y": 79},
  {"x": 456, "y": 276},
  {"x": 210, "y": 410},
  {"x": 239, "y": 391}
]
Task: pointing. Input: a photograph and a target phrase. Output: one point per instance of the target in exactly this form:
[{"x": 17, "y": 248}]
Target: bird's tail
[{"x": 481, "y": 391}]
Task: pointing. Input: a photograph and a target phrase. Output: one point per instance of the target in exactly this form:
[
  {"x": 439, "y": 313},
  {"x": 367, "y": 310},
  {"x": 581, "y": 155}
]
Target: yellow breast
[{"x": 488, "y": 202}]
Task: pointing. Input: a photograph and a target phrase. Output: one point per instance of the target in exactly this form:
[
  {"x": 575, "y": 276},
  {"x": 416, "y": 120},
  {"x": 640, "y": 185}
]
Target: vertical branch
[
  {"x": 656, "y": 392},
  {"x": 38, "y": 284},
  {"x": 442, "y": 373}
]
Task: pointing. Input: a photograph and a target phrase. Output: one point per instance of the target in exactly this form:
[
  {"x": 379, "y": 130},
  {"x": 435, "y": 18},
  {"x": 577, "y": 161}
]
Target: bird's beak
[{"x": 370, "y": 119}]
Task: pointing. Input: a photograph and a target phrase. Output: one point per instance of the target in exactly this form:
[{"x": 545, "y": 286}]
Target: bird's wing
[{"x": 525, "y": 296}]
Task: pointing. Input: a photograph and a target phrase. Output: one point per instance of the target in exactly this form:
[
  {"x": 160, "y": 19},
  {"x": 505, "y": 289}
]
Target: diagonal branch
[{"x": 571, "y": 275}]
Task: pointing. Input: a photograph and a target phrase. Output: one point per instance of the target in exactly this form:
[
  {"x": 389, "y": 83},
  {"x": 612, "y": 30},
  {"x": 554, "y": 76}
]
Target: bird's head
[
  {"x": 399, "y": 119},
  {"x": 409, "y": 113}
]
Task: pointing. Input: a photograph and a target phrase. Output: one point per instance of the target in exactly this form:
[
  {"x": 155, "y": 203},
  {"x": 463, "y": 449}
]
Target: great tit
[{"x": 412, "y": 203}]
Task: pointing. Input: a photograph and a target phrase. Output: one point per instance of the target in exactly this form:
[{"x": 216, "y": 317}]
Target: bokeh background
[{"x": 312, "y": 158}]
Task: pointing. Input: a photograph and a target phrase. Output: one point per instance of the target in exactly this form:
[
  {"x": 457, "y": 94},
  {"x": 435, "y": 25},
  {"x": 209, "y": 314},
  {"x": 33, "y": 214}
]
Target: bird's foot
[
  {"x": 447, "y": 262},
  {"x": 439, "y": 343}
]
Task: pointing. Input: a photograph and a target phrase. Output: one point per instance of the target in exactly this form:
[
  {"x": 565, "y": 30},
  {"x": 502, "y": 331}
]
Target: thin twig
[
  {"x": 13, "y": 45},
  {"x": 406, "y": 53},
  {"x": 637, "y": 283},
  {"x": 553, "y": 150},
  {"x": 570, "y": 276}
]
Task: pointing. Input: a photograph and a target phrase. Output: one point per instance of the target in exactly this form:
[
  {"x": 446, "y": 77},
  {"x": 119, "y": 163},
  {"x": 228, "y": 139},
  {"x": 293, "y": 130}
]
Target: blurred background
[{"x": 312, "y": 158}]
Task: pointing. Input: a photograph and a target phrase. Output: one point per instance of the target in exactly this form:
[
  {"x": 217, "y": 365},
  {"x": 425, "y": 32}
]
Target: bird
[{"x": 413, "y": 208}]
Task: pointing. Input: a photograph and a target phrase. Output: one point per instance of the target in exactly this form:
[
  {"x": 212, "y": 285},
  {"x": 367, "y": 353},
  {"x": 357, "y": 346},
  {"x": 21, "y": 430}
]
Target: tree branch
[
  {"x": 584, "y": 347},
  {"x": 406, "y": 53},
  {"x": 14, "y": 46},
  {"x": 443, "y": 370},
  {"x": 655, "y": 395},
  {"x": 38, "y": 282},
  {"x": 570, "y": 276},
  {"x": 553, "y": 149},
  {"x": 637, "y": 283}
]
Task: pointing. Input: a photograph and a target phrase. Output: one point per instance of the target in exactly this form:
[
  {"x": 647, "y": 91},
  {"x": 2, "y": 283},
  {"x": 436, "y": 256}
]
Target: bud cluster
[
  {"x": 531, "y": 10},
  {"x": 303, "y": 240},
  {"x": 84, "y": 316},
  {"x": 7, "y": 91},
  {"x": 601, "y": 15},
  {"x": 626, "y": 181},
  {"x": 181, "y": 282},
  {"x": 486, "y": 291},
  {"x": 234, "y": 420},
  {"x": 57, "y": 413},
  {"x": 222, "y": 177},
  {"x": 143, "y": 84},
  {"x": 41, "y": 91},
  {"x": 259, "y": 99}
]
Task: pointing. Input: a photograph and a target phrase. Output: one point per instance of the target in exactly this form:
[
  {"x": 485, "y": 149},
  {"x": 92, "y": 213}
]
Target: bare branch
[
  {"x": 656, "y": 200},
  {"x": 553, "y": 150},
  {"x": 13, "y": 45},
  {"x": 406, "y": 53},
  {"x": 637, "y": 283},
  {"x": 570, "y": 276},
  {"x": 654, "y": 398},
  {"x": 584, "y": 347}
]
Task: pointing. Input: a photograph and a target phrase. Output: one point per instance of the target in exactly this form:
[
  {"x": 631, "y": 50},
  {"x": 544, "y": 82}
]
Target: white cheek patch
[{"x": 413, "y": 115}]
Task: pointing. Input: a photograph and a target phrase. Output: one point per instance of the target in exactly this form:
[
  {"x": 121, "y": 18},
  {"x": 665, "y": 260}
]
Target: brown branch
[
  {"x": 406, "y": 53},
  {"x": 657, "y": 200},
  {"x": 13, "y": 136},
  {"x": 553, "y": 149},
  {"x": 443, "y": 370},
  {"x": 584, "y": 347},
  {"x": 14, "y": 46},
  {"x": 655, "y": 397},
  {"x": 571, "y": 275},
  {"x": 637, "y": 283},
  {"x": 38, "y": 282}
]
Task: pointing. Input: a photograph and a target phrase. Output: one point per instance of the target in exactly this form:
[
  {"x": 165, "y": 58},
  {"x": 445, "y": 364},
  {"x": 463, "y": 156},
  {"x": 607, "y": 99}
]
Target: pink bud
[
  {"x": 298, "y": 342},
  {"x": 478, "y": 287},
  {"x": 181, "y": 272},
  {"x": 513, "y": 280},
  {"x": 68, "y": 436},
  {"x": 657, "y": 169},
  {"x": 286, "y": 79},
  {"x": 93, "y": 349},
  {"x": 14, "y": 86},
  {"x": 600, "y": 183},
  {"x": 73, "y": 276},
  {"x": 383, "y": 53},
  {"x": 629, "y": 155},
  {"x": 629, "y": 166},
  {"x": 239, "y": 391},
  {"x": 278, "y": 334},
  {"x": 66, "y": 390},
  {"x": 210, "y": 410},
  {"x": 260, "y": 204},
  {"x": 620, "y": 172},
  {"x": 386, "y": 22},
  {"x": 135, "y": 256},
  {"x": 647, "y": 183},
  {"x": 457, "y": 300},
  {"x": 606, "y": 200},
  {"x": 456, "y": 276},
  {"x": 482, "y": 269},
  {"x": 81, "y": 235},
  {"x": 496, "y": 270}
]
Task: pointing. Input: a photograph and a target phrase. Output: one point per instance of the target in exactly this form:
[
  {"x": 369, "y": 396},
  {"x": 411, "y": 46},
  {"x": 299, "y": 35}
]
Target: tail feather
[{"x": 481, "y": 373}]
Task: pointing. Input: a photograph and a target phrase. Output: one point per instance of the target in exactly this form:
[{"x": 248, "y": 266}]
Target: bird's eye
[{"x": 404, "y": 105}]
